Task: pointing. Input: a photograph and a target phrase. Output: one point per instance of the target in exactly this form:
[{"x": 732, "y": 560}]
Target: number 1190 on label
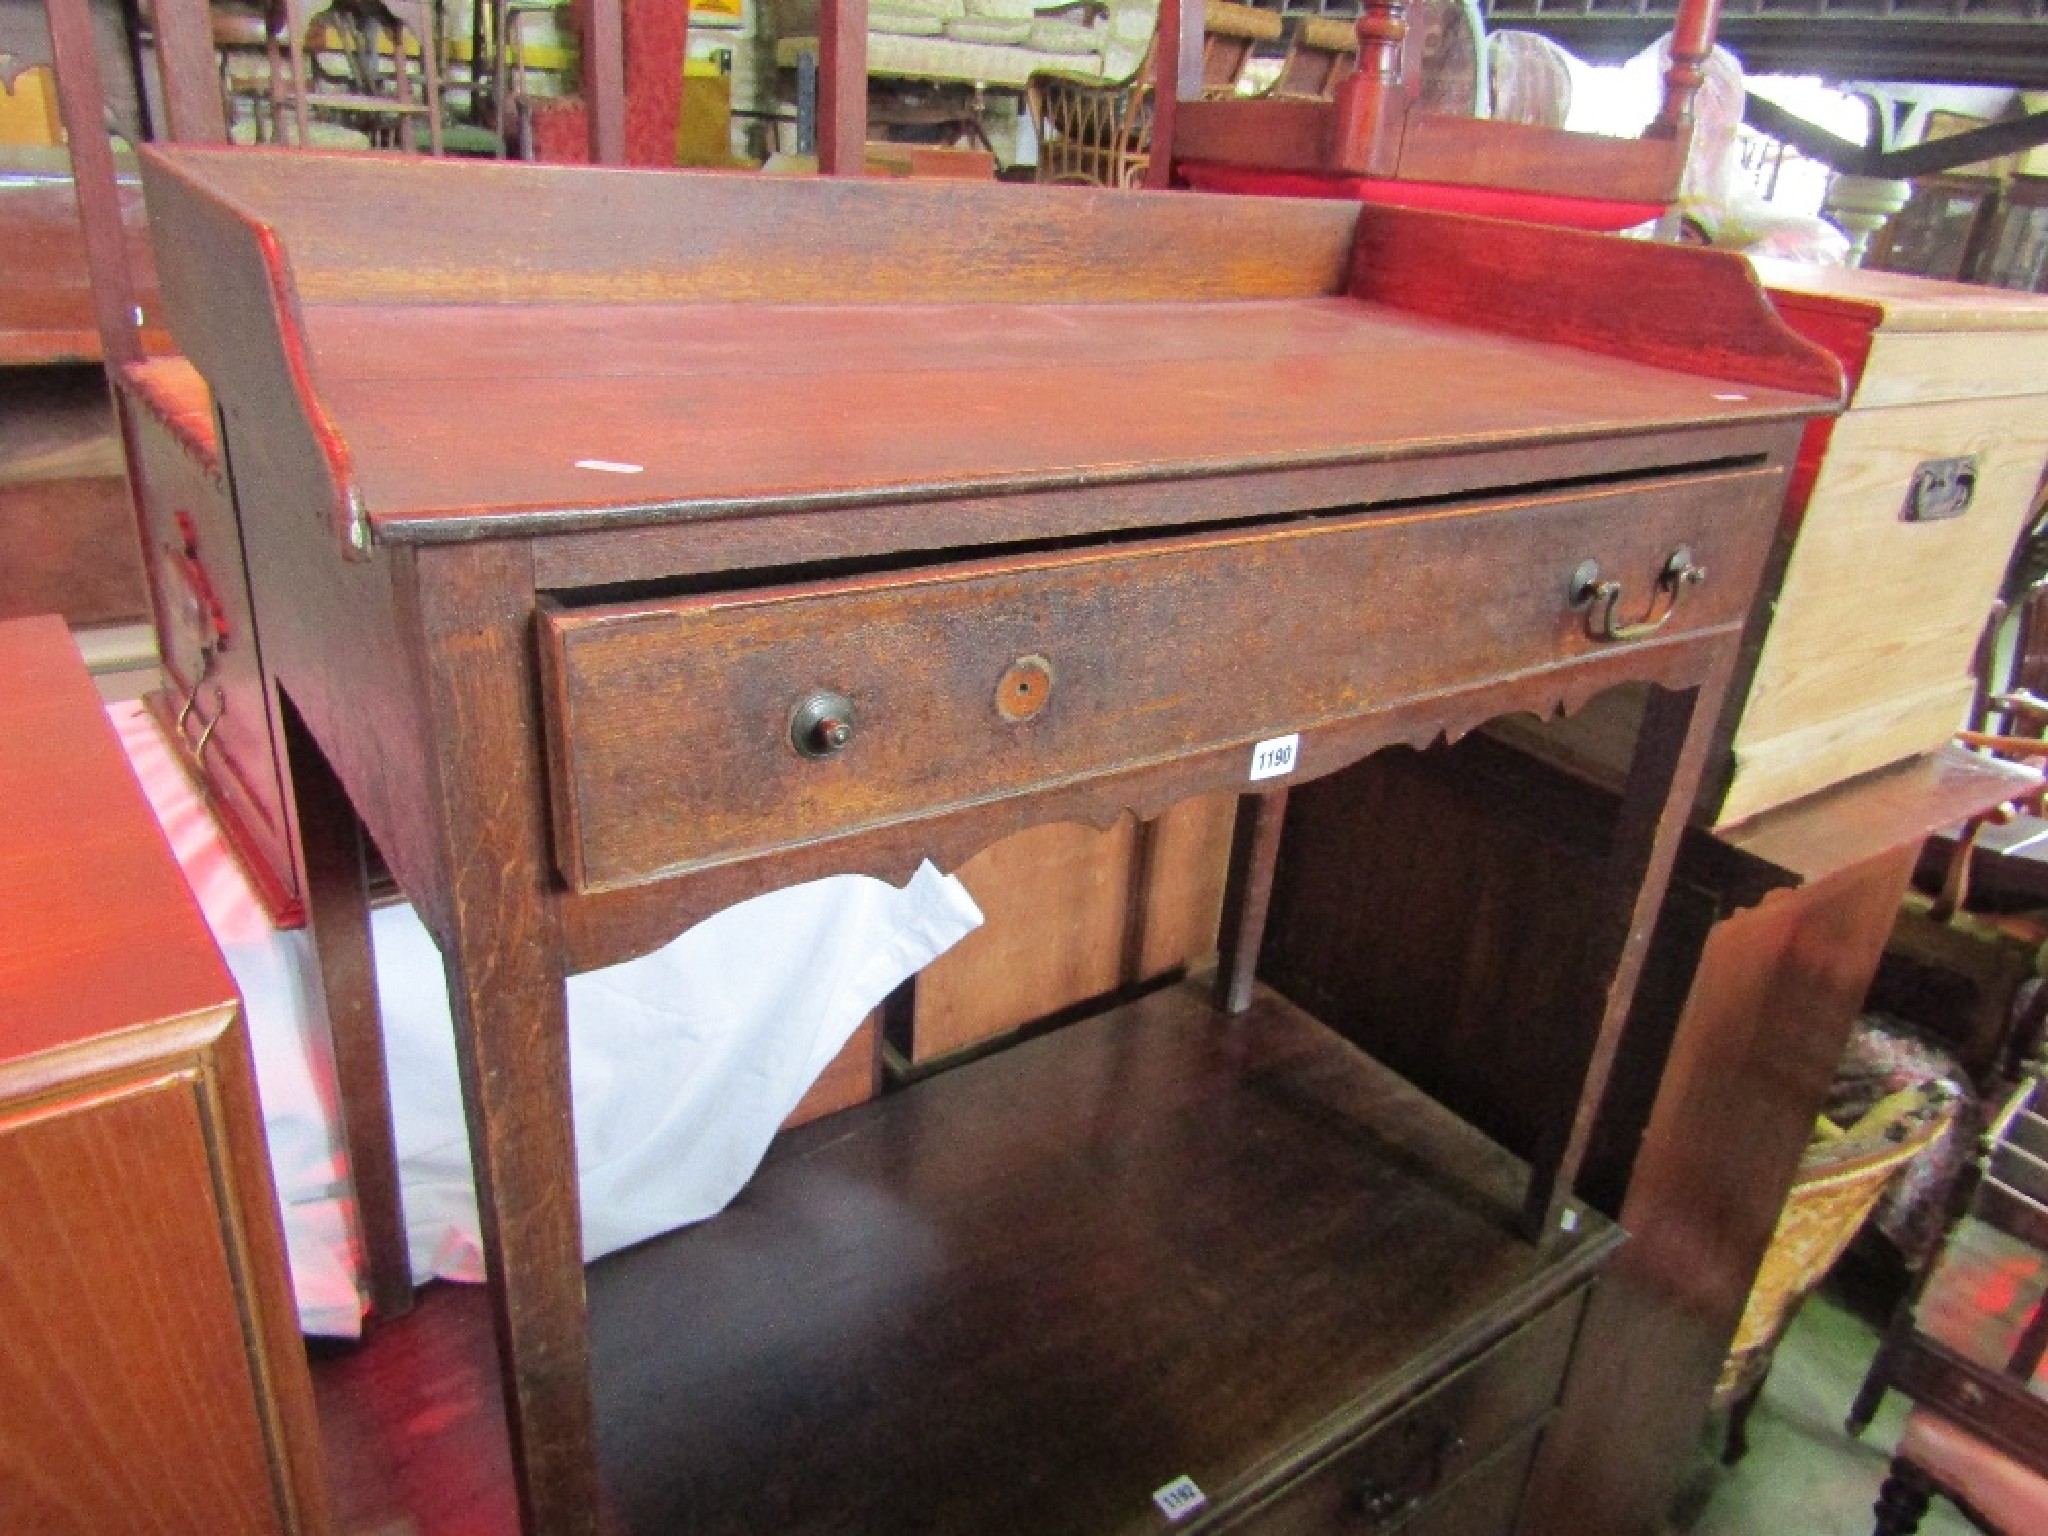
[{"x": 1272, "y": 758}]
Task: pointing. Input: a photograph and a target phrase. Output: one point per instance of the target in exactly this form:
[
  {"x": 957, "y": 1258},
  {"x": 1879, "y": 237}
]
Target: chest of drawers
[{"x": 763, "y": 530}]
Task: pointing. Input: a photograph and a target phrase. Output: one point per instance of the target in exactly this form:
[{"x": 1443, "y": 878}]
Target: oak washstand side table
[
  {"x": 1097, "y": 502},
  {"x": 150, "y": 1359}
]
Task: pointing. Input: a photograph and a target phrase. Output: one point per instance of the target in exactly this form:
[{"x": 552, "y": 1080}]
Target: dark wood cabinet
[{"x": 720, "y": 562}]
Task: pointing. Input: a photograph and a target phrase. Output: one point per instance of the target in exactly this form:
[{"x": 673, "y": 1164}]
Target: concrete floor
[{"x": 1803, "y": 1476}]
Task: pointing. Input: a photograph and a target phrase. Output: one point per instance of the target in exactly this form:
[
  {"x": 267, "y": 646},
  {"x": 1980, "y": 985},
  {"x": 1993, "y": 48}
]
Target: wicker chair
[
  {"x": 1096, "y": 130},
  {"x": 1840, "y": 1179}
]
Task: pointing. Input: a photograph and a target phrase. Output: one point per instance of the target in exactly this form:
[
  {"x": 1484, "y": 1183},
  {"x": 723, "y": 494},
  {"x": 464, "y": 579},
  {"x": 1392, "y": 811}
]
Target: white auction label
[
  {"x": 1179, "y": 1497},
  {"x": 1272, "y": 758}
]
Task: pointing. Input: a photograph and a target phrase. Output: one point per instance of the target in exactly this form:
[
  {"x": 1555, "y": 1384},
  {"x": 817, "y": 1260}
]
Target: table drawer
[
  {"x": 697, "y": 729},
  {"x": 1463, "y": 1448}
]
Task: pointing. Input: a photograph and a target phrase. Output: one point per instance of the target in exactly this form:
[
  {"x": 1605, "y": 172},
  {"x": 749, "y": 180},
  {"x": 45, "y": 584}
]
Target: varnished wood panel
[
  {"x": 712, "y": 775},
  {"x": 1873, "y": 606},
  {"x": 215, "y": 705},
  {"x": 1055, "y": 901},
  {"x": 149, "y": 1350},
  {"x": 1184, "y": 892},
  {"x": 699, "y": 236},
  {"x": 69, "y": 547},
  {"x": 130, "y": 1403},
  {"x": 67, "y": 530},
  {"x": 84, "y": 877},
  {"x": 931, "y": 1313},
  {"x": 674, "y": 394},
  {"x": 1073, "y": 913},
  {"x": 1924, "y": 368},
  {"x": 1777, "y": 988},
  {"x": 1421, "y": 949}
]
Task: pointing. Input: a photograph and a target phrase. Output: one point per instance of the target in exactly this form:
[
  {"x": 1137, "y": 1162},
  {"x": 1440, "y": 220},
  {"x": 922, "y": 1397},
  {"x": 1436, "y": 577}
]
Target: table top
[
  {"x": 102, "y": 932},
  {"x": 706, "y": 408},
  {"x": 513, "y": 350}
]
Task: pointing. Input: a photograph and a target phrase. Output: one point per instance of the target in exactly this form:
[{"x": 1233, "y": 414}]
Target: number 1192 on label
[{"x": 1272, "y": 758}]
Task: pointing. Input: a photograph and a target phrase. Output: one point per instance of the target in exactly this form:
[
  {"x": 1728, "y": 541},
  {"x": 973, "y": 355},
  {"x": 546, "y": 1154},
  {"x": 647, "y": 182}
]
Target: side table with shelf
[{"x": 651, "y": 653}]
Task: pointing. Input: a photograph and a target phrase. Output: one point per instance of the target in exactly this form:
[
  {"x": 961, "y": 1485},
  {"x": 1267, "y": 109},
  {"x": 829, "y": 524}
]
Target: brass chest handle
[{"x": 1601, "y": 596}]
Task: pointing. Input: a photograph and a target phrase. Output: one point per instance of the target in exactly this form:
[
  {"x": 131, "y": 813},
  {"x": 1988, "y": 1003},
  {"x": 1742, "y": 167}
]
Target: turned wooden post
[
  {"x": 1692, "y": 44},
  {"x": 1373, "y": 102}
]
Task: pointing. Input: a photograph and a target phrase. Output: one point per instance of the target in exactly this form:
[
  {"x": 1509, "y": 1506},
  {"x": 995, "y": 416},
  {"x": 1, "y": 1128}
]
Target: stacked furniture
[
  {"x": 647, "y": 658},
  {"x": 149, "y": 1351},
  {"x": 1388, "y": 134},
  {"x": 1827, "y": 773},
  {"x": 997, "y": 44},
  {"x": 1900, "y": 525}
]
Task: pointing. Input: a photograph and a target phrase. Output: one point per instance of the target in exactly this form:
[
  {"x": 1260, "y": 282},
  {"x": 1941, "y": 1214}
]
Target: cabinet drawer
[
  {"x": 673, "y": 723},
  {"x": 216, "y": 705},
  {"x": 1450, "y": 1452}
]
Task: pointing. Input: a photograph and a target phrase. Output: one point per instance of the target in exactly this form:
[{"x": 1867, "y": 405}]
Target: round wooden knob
[{"x": 1025, "y": 689}]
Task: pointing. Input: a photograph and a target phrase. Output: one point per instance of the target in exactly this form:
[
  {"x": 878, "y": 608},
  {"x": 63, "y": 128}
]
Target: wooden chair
[
  {"x": 1839, "y": 1181},
  {"x": 1967, "y": 1342},
  {"x": 262, "y": 63},
  {"x": 1381, "y": 139},
  {"x": 346, "y": 46},
  {"x": 1231, "y": 34},
  {"x": 1321, "y": 52}
]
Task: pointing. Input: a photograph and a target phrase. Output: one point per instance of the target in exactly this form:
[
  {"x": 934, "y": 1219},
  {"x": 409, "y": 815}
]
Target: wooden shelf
[{"x": 1018, "y": 1296}]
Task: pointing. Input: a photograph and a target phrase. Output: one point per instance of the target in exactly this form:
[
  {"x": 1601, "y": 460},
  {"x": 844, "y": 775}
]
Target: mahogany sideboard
[
  {"x": 1088, "y": 503},
  {"x": 150, "y": 1359}
]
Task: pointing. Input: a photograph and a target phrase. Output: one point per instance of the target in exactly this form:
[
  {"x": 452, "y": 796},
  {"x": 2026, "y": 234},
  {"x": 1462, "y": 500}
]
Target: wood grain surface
[
  {"x": 948, "y": 399},
  {"x": 85, "y": 877},
  {"x": 149, "y": 1350},
  {"x": 1116, "y": 1266},
  {"x": 131, "y": 1407},
  {"x": 1872, "y": 607},
  {"x": 1071, "y": 914},
  {"x": 46, "y": 304},
  {"x": 890, "y": 397},
  {"x": 497, "y": 232},
  {"x": 932, "y": 646}
]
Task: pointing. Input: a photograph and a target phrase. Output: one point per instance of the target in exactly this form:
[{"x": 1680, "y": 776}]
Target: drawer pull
[
  {"x": 821, "y": 724},
  {"x": 1385, "y": 1504},
  {"x": 1601, "y": 597}
]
